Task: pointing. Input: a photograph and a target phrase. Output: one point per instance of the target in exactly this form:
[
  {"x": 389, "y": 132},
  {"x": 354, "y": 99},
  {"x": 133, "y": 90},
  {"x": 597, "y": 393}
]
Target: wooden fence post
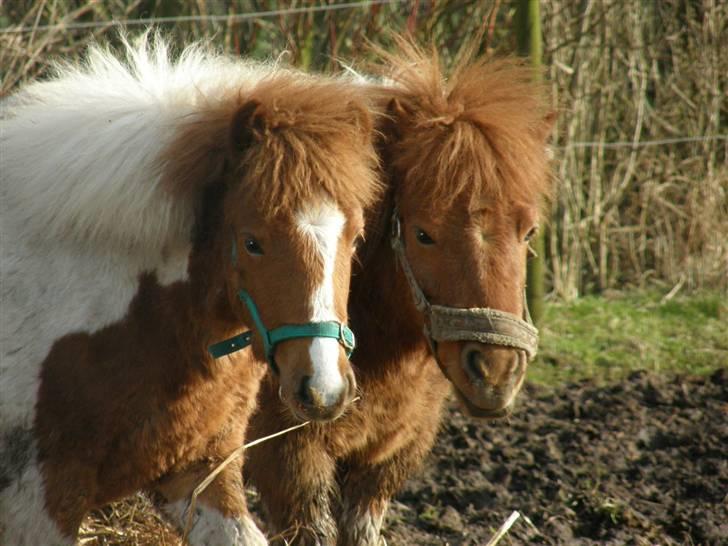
[{"x": 528, "y": 32}]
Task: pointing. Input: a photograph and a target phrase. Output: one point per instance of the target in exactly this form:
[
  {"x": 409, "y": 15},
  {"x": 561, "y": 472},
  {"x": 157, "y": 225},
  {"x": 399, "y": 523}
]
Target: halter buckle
[{"x": 347, "y": 338}]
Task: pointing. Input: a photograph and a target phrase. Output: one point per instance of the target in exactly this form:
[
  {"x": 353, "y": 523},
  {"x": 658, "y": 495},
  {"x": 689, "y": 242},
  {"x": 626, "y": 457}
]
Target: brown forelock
[
  {"x": 480, "y": 129},
  {"x": 316, "y": 135}
]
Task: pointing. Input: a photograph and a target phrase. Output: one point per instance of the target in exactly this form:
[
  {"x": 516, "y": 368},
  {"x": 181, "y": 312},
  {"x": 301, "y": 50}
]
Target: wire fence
[
  {"x": 641, "y": 143},
  {"x": 231, "y": 17}
]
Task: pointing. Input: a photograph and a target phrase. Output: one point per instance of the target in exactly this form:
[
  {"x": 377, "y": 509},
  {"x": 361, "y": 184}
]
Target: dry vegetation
[
  {"x": 627, "y": 72},
  {"x": 636, "y": 72},
  {"x": 133, "y": 521}
]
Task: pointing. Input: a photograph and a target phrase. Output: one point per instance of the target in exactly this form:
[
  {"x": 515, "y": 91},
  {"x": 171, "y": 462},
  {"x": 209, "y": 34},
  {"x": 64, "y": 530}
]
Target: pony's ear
[
  {"x": 248, "y": 125},
  {"x": 543, "y": 131},
  {"x": 396, "y": 116},
  {"x": 396, "y": 109}
]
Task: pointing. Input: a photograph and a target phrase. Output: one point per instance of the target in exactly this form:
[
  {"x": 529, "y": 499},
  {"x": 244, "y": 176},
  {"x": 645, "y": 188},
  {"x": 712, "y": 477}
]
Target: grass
[{"x": 606, "y": 338}]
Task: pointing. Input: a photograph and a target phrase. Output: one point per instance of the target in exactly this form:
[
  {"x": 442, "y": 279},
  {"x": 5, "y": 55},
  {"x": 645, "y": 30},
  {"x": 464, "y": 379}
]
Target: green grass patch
[{"x": 606, "y": 338}]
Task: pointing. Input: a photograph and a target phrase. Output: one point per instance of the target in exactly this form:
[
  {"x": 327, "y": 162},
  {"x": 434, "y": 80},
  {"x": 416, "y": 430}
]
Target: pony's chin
[
  {"x": 302, "y": 414},
  {"x": 471, "y": 410}
]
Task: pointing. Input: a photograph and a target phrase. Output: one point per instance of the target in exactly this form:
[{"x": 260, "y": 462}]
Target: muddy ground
[{"x": 644, "y": 461}]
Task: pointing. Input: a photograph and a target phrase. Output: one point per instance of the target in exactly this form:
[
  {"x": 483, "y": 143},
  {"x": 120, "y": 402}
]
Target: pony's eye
[
  {"x": 531, "y": 234},
  {"x": 253, "y": 247},
  {"x": 423, "y": 238}
]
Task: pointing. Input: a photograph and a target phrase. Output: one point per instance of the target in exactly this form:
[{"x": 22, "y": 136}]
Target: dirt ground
[{"x": 644, "y": 461}]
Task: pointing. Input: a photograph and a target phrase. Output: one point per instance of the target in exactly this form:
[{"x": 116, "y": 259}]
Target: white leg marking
[
  {"x": 323, "y": 223},
  {"x": 357, "y": 527},
  {"x": 24, "y": 520},
  {"x": 211, "y": 528}
]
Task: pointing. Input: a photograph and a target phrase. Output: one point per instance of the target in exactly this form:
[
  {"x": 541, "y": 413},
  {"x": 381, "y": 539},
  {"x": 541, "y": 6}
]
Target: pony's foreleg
[
  {"x": 295, "y": 477},
  {"x": 367, "y": 488},
  {"x": 220, "y": 516}
]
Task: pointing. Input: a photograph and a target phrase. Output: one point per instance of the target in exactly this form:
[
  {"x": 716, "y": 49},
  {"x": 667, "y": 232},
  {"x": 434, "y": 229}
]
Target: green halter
[{"x": 271, "y": 338}]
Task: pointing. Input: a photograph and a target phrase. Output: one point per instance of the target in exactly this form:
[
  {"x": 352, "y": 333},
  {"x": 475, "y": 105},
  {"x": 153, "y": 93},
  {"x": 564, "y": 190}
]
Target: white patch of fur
[
  {"x": 357, "y": 78},
  {"x": 357, "y": 526},
  {"x": 80, "y": 152},
  {"x": 211, "y": 528},
  {"x": 323, "y": 224},
  {"x": 23, "y": 519}
]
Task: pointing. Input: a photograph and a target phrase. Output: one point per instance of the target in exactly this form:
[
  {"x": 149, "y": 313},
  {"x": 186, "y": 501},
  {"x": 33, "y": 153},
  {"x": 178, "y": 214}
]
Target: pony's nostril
[
  {"x": 475, "y": 362},
  {"x": 306, "y": 394}
]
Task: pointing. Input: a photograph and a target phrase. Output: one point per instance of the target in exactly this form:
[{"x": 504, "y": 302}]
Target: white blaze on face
[{"x": 323, "y": 223}]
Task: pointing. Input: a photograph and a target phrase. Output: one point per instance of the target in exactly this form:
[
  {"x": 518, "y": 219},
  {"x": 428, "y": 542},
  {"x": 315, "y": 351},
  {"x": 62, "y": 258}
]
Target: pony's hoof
[{"x": 250, "y": 535}]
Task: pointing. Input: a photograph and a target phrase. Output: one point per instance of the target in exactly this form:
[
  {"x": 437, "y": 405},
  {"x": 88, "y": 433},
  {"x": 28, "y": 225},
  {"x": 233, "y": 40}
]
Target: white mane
[{"x": 80, "y": 153}]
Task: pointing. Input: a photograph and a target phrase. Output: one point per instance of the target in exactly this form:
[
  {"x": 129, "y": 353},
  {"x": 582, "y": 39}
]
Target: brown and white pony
[
  {"x": 139, "y": 196},
  {"x": 467, "y": 169}
]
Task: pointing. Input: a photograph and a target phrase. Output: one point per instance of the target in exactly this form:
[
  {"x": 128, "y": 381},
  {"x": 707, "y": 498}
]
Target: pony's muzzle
[
  {"x": 493, "y": 376},
  {"x": 318, "y": 383},
  {"x": 321, "y": 402}
]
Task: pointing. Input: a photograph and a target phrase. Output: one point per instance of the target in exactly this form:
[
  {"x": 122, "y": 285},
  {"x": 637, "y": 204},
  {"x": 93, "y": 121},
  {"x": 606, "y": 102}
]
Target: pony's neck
[
  {"x": 192, "y": 314},
  {"x": 209, "y": 298},
  {"x": 383, "y": 315}
]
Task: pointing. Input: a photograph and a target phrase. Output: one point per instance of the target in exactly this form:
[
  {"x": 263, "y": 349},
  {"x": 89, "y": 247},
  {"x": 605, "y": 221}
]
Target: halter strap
[
  {"x": 271, "y": 338},
  {"x": 485, "y": 326},
  {"x": 420, "y": 300},
  {"x": 444, "y": 323}
]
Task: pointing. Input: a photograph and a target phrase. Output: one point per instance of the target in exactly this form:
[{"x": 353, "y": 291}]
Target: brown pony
[
  {"x": 141, "y": 200},
  {"x": 466, "y": 163}
]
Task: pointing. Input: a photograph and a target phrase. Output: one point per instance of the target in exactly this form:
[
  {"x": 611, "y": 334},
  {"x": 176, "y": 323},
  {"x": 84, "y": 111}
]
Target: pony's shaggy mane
[{"x": 482, "y": 128}]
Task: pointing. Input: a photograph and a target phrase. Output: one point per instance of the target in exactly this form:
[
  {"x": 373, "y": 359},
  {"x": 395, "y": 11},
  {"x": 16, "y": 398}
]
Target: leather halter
[{"x": 443, "y": 323}]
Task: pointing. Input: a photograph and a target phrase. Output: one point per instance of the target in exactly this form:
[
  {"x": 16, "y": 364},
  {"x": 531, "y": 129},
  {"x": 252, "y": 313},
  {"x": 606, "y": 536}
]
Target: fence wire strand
[
  {"x": 232, "y": 17},
  {"x": 642, "y": 143}
]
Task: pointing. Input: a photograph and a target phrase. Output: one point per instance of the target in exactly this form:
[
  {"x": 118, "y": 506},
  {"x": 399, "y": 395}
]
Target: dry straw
[
  {"x": 212, "y": 475},
  {"x": 501, "y": 532}
]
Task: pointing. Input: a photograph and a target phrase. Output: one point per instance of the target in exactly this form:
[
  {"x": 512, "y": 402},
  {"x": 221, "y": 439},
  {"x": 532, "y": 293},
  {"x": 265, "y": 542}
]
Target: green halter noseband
[{"x": 271, "y": 338}]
